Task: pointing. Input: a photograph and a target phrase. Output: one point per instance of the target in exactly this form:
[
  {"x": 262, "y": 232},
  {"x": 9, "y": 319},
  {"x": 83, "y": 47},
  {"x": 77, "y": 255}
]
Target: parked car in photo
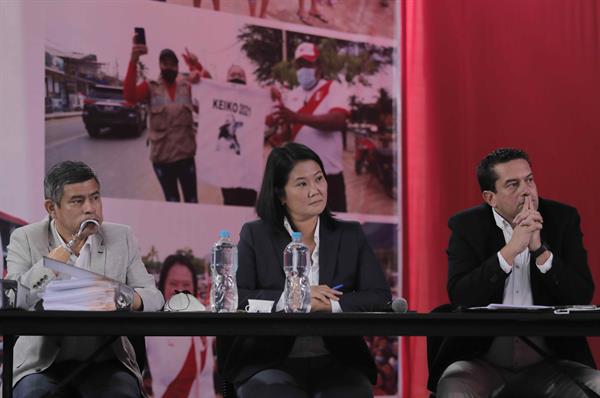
[{"x": 105, "y": 107}]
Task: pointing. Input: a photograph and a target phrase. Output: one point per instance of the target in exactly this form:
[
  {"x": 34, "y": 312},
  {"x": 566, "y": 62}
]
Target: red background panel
[{"x": 485, "y": 74}]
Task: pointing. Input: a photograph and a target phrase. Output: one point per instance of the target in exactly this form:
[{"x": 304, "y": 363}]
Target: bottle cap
[
  {"x": 224, "y": 233},
  {"x": 296, "y": 236}
]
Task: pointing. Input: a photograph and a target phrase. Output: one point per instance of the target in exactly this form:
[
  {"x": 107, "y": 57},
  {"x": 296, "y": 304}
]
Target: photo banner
[{"x": 80, "y": 70}]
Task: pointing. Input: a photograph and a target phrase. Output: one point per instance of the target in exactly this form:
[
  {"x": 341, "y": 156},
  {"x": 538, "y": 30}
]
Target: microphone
[
  {"x": 399, "y": 305},
  {"x": 85, "y": 223}
]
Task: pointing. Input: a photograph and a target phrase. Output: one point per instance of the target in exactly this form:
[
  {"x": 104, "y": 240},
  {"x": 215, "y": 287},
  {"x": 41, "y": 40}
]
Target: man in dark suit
[{"x": 515, "y": 249}]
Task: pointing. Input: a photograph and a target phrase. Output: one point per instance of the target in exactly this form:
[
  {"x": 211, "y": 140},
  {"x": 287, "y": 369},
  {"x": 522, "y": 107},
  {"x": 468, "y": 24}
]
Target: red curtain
[{"x": 481, "y": 74}]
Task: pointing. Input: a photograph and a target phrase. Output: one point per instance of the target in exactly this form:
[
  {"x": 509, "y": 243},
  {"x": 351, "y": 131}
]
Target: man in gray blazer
[{"x": 72, "y": 195}]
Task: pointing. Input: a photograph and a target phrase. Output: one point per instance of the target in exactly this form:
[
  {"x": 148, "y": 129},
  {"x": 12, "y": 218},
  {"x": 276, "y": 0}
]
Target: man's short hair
[
  {"x": 486, "y": 175},
  {"x": 63, "y": 173},
  {"x": 168, "y": 55}
]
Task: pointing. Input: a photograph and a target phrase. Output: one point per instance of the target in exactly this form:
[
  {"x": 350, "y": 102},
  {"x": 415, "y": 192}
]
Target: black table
[{"x": 74, "y": 323}]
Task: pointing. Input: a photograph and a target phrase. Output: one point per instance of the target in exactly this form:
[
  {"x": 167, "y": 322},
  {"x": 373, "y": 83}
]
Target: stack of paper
[
  {"x": 78, "y": 290},
  {"x": 79, "y": 295}
]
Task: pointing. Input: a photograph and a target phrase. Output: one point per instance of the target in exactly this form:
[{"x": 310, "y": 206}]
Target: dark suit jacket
[
  {"x": 476, "y": 279},
  {"x": 344, "y": 257}
]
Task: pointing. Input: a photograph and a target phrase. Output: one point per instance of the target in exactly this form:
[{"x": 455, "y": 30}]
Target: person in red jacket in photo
[{"x": 172, "y": 135}]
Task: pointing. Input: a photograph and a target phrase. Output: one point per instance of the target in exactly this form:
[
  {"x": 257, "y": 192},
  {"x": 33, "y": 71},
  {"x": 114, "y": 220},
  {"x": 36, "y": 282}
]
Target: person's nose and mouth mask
[
  {"x": 306, "y": 77},
  {"x": 169, "y": 75}
]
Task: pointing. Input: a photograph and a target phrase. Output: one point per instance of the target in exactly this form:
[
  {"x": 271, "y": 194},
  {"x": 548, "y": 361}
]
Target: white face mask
[{"x": 306, "y": 77}]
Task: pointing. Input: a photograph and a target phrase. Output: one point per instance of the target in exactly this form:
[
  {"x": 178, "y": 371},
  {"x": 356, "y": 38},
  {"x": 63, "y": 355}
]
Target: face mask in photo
[
  {"x": 306, "y": 77},
  {"x": 169, "y": 75}
]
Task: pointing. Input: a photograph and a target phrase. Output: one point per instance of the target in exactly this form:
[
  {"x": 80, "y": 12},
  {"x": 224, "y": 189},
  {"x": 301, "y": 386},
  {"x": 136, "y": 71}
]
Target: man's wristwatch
[{"x": 538, "y": 252}]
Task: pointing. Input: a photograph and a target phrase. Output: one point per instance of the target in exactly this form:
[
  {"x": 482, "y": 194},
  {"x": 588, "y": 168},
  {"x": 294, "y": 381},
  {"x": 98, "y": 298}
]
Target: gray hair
[{"x": 63, "y": 173}]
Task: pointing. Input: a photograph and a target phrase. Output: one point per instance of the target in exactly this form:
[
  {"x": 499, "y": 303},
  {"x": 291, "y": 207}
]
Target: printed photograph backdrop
[
  {"x": 86, "y": 51},
  {"x": 368, "y": 17},
  {"x": 85, "y": 65}
]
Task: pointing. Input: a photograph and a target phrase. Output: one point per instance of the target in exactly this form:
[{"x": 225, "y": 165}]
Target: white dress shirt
[
  {"x": 511, "y": 351},
  {"x": 84, "y": 260}
]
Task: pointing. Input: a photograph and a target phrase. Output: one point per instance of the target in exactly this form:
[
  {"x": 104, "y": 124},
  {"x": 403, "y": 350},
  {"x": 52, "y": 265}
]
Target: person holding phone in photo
[{"x": 172, "y": 136}]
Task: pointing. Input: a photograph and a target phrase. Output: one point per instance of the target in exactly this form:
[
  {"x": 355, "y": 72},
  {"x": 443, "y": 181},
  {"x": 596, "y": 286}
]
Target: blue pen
[{"x": 338, "y": 287}]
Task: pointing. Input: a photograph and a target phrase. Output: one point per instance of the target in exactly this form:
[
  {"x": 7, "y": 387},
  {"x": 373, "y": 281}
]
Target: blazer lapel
[
  {"x": 98, "y": 254},
  {"x": 47, "y": 244},
  {"x": 545, "y": 231},
  {"x": 328, "y": 253},
  {"x": 495, "y": 240},
  {"x": 280, "y": 240}
]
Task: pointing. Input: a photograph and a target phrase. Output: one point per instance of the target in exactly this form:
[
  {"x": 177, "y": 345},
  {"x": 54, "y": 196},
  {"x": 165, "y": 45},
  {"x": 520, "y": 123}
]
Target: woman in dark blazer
[{"x": 293, "y": 197}]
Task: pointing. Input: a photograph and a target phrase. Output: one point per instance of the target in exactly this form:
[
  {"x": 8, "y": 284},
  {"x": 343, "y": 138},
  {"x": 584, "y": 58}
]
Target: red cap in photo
[{"x": 307, "y": 51}]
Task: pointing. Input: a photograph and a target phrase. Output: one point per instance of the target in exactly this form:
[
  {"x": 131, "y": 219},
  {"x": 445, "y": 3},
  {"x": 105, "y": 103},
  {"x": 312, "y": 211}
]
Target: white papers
[
  {"x": 87, "y": 291},
  {"x": 567, "y": 309},
  {"x": 510, "y": 307},
  {"x": 72, "y": 271},
  {"x": 576, "y": 308},
  {"x": 79, "y": 295}
]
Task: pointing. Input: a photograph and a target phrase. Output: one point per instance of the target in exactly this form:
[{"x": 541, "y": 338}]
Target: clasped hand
[{"x": 527, "y": 225}]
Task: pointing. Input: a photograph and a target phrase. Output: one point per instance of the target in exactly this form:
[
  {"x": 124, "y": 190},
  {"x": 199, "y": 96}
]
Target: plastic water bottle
[
  {"x": 296, "y": 265},
  {"x": 223, "y": 266}
]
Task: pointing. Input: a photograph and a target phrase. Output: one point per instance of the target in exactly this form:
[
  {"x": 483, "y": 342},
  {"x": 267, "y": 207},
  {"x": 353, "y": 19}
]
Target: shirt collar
[
  {"x": 58, "y": 238},
  {"x": 288, "y": 228},
  {"x": 501, "y": 221}
]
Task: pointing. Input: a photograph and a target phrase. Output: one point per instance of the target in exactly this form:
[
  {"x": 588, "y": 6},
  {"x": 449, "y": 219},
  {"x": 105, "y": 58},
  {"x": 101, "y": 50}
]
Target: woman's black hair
[
  {"x": 177, "y": 259},
  {"x": 280, "y": 163}
]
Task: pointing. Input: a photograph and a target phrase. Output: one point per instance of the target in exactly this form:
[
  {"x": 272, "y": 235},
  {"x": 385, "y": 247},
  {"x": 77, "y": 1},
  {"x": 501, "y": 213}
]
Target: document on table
[
  {"x": 510, "y": 307},
  {"x": 79, "y": 295},
  {"x": 85, "y": 291},
  {"x": 74, "y": 272},
  {"x": 567, "y": 309}
]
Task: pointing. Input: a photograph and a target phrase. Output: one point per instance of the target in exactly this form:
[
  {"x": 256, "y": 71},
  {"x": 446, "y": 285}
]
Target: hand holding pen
[{"x": 324, "y": 293}]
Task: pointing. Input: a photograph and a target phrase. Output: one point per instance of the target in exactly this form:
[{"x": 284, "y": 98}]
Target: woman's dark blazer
[{"x": 345, "y": 257}]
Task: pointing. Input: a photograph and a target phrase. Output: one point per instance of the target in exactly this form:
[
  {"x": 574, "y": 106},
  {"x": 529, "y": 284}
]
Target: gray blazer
[{"x": 115, "y": 255}]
